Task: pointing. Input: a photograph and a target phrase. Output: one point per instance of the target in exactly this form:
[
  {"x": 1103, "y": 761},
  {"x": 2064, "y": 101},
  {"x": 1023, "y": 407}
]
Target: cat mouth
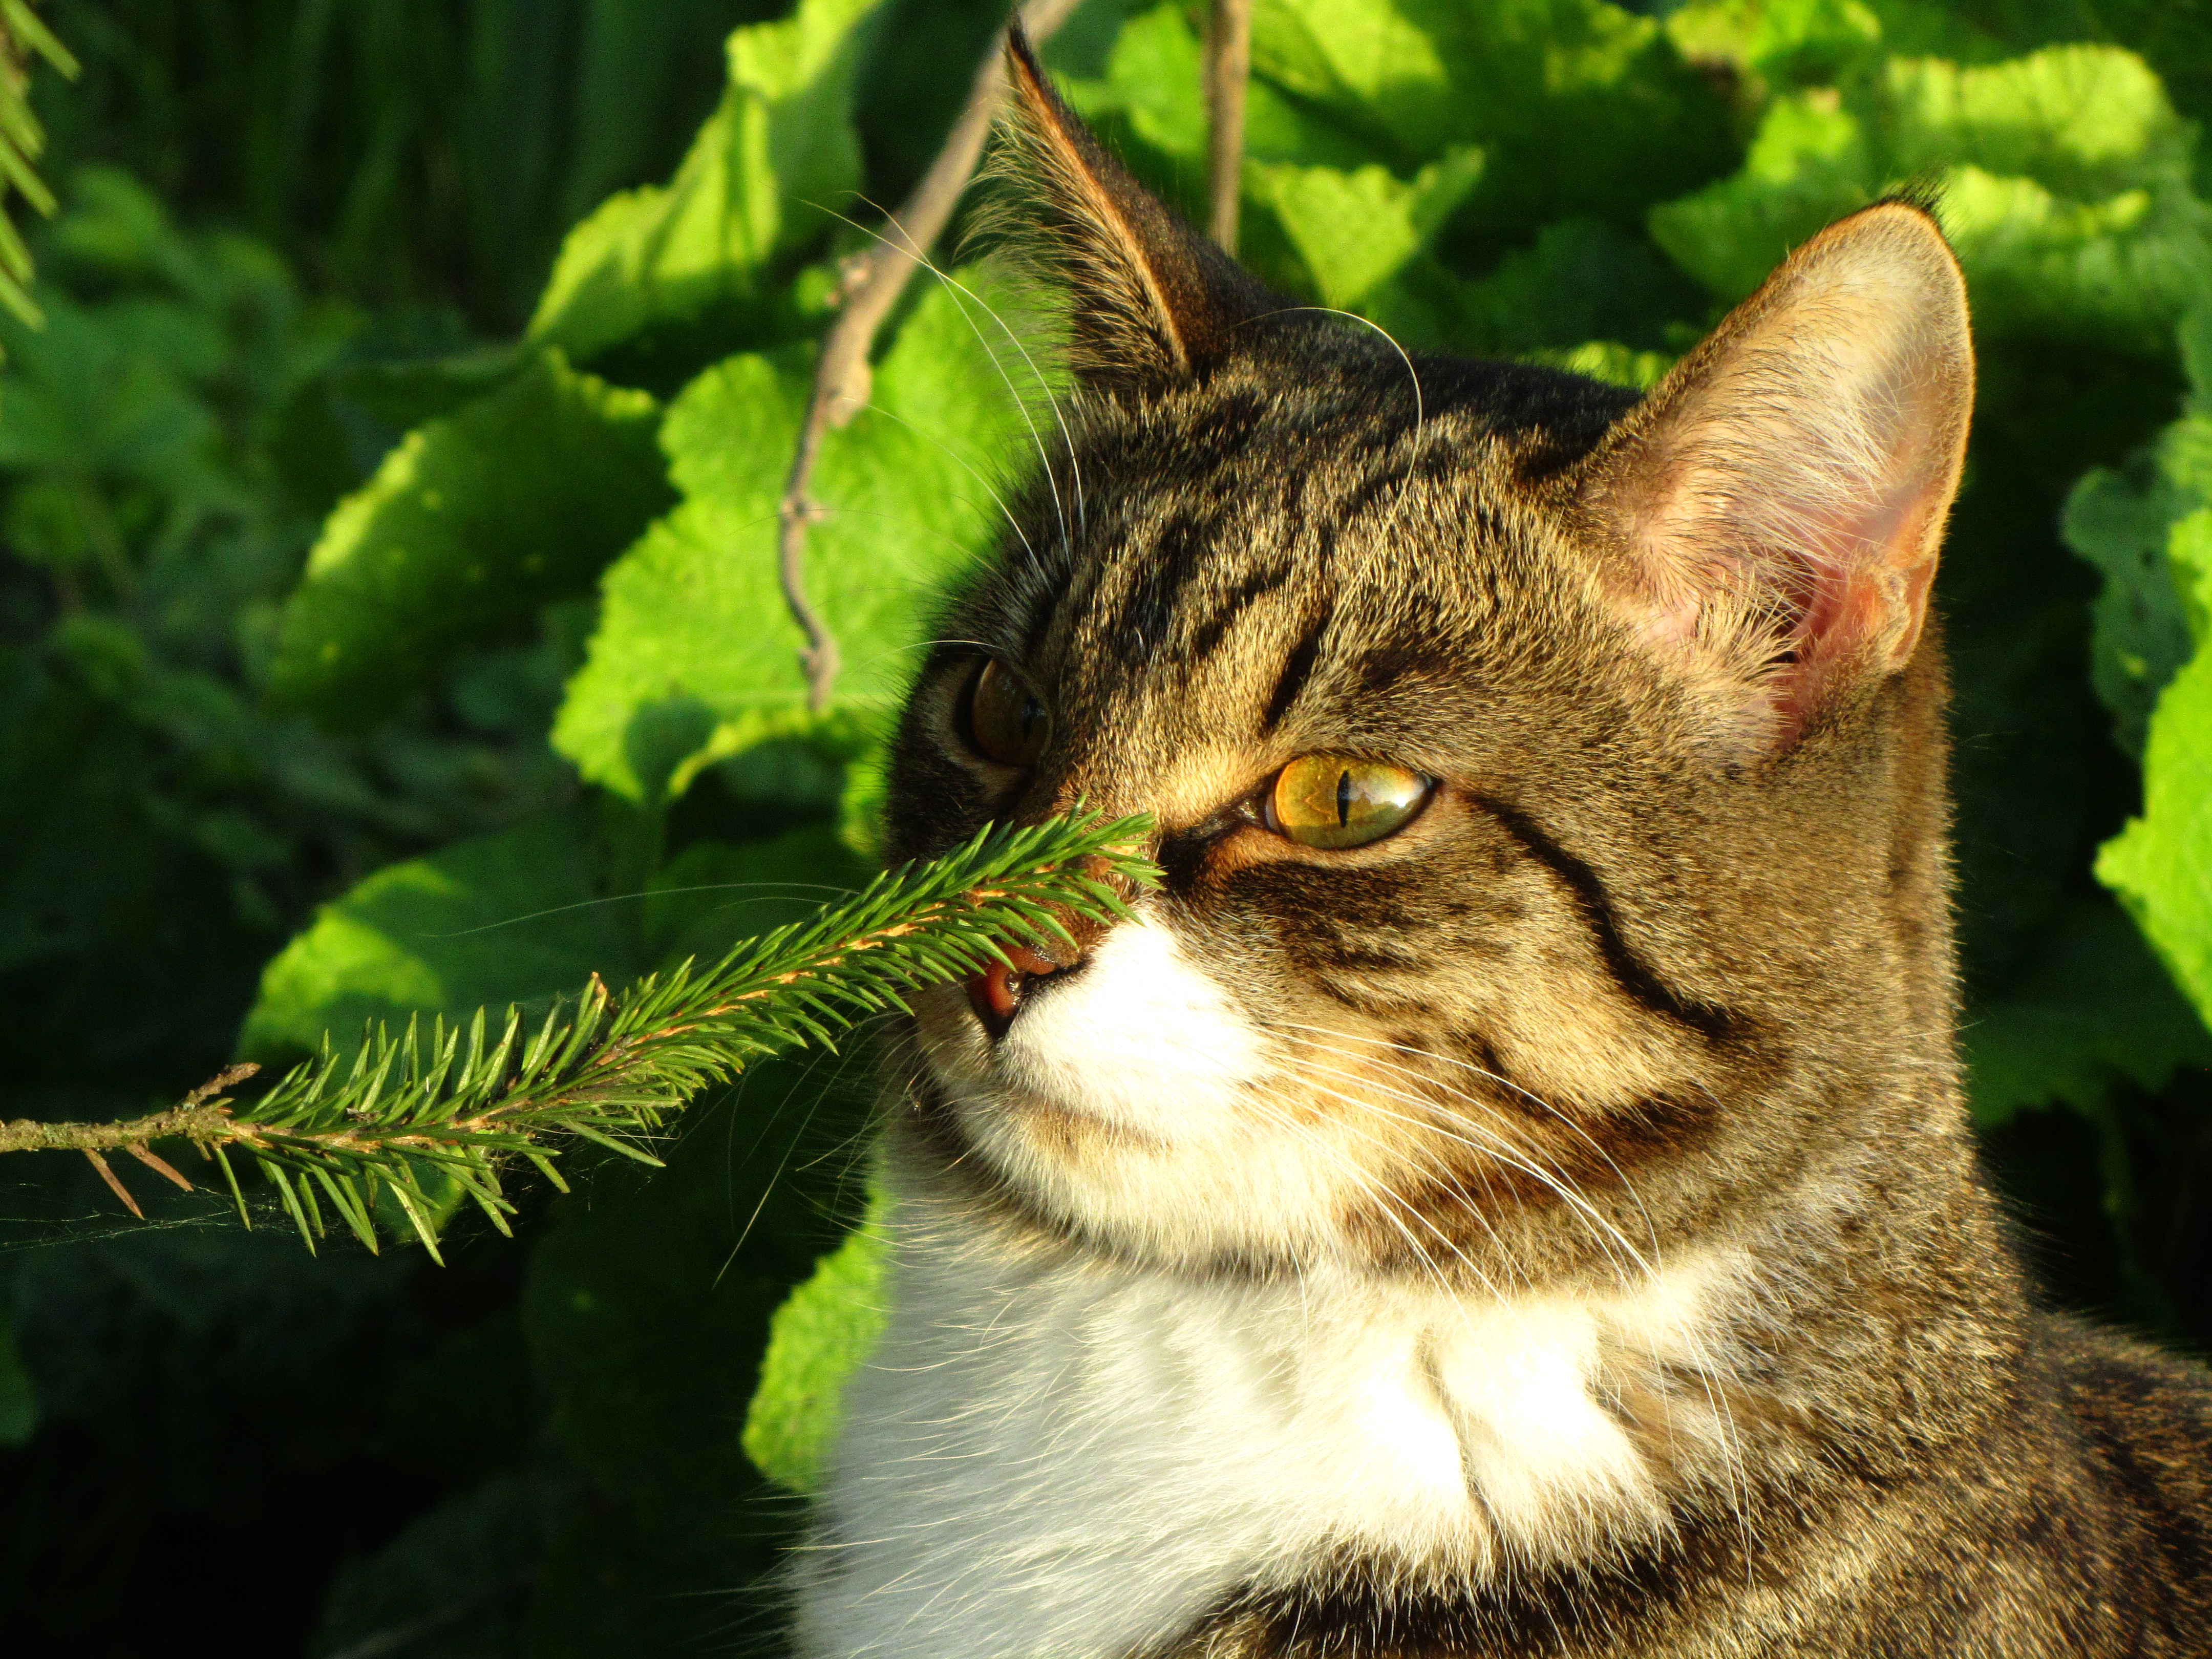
[{"x": 997, "y": 992}]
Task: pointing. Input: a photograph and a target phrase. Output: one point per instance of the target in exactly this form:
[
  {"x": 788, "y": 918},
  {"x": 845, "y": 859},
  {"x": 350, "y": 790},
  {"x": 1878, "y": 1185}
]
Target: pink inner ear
[
  {"x": 1782, "y": 494},
  {"x": 1868, "y": 595}
]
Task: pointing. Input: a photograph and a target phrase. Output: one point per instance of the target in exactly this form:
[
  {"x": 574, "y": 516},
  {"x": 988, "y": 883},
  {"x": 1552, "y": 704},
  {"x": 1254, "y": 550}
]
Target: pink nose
[{"x": 996, "y": 993}]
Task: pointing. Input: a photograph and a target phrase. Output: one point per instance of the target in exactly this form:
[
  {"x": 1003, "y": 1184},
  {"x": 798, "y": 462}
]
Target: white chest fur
[{"x": 1074, "y": 1459}]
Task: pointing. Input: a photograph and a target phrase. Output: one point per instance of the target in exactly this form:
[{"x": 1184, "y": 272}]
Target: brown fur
[{"x": 1669, "y": 950}]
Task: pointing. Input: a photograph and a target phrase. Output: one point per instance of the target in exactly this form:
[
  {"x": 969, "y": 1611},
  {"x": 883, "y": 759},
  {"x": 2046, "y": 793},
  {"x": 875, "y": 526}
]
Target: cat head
[{"x": 1549, "y": 781}]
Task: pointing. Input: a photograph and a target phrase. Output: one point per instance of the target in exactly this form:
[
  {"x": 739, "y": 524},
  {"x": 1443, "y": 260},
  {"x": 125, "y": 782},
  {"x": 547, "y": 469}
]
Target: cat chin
[
  {"x": 1136, "y": 1100},
  {"x": 1176, "y": 1203}
]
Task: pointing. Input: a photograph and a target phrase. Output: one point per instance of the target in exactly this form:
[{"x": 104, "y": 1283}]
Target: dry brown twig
[
  {"x": 877, "y": 276},
  {"x": 1228, "y": 68}
]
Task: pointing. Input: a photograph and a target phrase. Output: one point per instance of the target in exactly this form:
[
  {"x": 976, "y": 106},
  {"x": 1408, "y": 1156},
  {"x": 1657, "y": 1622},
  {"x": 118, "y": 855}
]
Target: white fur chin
[
  {"x": 1136, "y": 1097},
  {"x": 1138, "y": 1040},
  {"x": 1071, "y": 1457}
]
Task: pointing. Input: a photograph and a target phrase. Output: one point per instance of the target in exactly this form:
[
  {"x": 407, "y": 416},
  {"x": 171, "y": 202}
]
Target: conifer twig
[
  {"x": 874, "y": 281},
  {"x": 447, "y": 1106},
  {"x": 1228, "y": 69},
  {"x": 21, "y": 140}
]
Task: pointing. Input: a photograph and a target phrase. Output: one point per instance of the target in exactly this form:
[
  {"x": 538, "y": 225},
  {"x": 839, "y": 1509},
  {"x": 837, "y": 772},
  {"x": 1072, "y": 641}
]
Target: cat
[{"x": 1508, "y": 1191}]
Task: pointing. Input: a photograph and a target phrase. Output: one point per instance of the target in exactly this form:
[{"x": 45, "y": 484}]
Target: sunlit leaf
[
  {"x": 697, "y": 656},
  {"x": 762, "y": 179},
  {"x": 470, "y": 525},
  {"x": 816, "y": 1342}
]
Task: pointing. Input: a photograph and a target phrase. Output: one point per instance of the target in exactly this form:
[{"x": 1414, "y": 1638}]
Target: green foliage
[
  {"x": 696, "y": 656},
  {"x": 473, "y": 523},
  {"x": 777, "y": 155},
  {"x": 555, "y": 725},
  {"x": 2064, "y": 179}
]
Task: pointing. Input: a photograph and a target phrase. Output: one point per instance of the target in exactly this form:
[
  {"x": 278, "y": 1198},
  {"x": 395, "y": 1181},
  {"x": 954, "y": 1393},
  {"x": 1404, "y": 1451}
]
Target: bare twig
[
  {"x": 1228, "y": 67},
  {"x": 875, "y": 281}
]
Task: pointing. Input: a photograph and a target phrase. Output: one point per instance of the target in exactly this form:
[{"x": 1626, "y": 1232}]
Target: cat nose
[{"x": 996, "y": 993}]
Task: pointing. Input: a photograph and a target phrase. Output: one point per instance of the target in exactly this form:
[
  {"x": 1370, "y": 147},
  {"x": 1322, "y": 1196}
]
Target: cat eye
[
  {"x": 1341, "y": 800},
  {"x": 1006, "y": 720}
]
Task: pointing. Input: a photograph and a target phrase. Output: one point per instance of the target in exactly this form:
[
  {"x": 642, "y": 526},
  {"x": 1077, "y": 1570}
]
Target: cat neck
[{"x": 1057, "y": 1451}]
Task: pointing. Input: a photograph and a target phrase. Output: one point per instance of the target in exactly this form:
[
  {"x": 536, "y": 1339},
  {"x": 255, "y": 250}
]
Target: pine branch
[
  {"x": 460, "y": 1101},
  {"x": 21, "y": 139}
]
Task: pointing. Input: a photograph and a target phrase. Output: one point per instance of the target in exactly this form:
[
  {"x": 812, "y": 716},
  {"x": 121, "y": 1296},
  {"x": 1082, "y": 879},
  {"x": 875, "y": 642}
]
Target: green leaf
[
  {"x": 2161, "y": 864},
  {"x": 761, "y": 180},
  {"x": 1355, "y": 230},
  {"x": 696, "y": 656},
  {"x": 1608, "y": 361},
  {"x": 470, "y": 525},
  {"x": 2122, "y": 523},
  {"x": 1808, "y": 165},
  {"x": 1155, "y": 81},
  {"x": 1581, "y": 280},
  {"x": 713, "y": 893},
  {"x": 816, "y": 1342},
  {"x": 648, "y": 1307},
  {"x": 1580, "y": 106},
  {"x": 462, "y": 1571},
  {"x": 2064, "y": 184},
  {"x": 2092, "y": 1008},
  {"x": 512, "y": 917},
  {"x": 2085, "y": 122}
]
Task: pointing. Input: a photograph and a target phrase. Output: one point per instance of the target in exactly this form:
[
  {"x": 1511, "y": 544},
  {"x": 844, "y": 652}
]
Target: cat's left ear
[
  {"x": 1151, "y": 302},
  {"x": 1775, "y": 506}
]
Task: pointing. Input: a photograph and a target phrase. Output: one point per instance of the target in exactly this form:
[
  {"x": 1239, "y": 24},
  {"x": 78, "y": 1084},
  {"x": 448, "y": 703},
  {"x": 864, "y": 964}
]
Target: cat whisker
[
  {"x": 1420, "y": 413},
  {"x": 1506, "y": 1152},
  {"x": 1387, "y": 1197},
  {"x": 920, "y": 255},
  {"x": 1536, "y": 1100}
]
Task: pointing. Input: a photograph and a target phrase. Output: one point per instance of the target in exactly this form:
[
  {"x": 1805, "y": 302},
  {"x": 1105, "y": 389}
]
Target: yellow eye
[
  {"x": 1005, "y": 719},
  {"x": 1338, "y": 801}
]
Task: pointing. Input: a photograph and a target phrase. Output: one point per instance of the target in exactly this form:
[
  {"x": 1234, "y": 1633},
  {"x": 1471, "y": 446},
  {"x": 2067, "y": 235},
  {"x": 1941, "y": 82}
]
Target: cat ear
[
  {"x": 1152, "y": 301},
  {"x": 1776, "y": 504}
]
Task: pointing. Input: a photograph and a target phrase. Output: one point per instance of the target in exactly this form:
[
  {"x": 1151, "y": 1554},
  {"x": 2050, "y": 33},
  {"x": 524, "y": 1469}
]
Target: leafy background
[{"x": 387, "y": 621}]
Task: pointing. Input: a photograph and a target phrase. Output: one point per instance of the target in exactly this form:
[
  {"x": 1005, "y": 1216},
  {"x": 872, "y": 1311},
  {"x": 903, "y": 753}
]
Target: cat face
[{"x": 1547, "y": 784}]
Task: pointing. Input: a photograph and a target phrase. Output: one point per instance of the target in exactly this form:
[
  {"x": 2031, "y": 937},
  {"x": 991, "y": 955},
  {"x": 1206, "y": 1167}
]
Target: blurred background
[{"x": 388, "y": 622}]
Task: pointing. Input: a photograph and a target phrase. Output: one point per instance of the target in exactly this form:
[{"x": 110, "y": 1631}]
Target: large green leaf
[
  {"x": 473, "y": 523},
  {"x": 2161, "y": 864},
  {"x": 2065, "y": 187},
  {"x": 816, "y": 1342},
  {"x": 512, "y": 917},
  {"x": 697, "y": 656},
  {"x": 1356, "y": 229},
  {"x": 1581, "y": 106},
  {"x": 2123, "y": 522},
  {"x": 2091, "y": 1009},
  {"x": 647, "y": 1305},
  {"x": 762, "y": 179}
]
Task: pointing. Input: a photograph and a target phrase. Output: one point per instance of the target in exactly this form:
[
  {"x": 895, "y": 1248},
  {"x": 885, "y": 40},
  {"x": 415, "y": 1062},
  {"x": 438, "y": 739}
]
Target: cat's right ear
[
  {"x": 1772, "y": 512},
  {"x": 1150, "y": 301}
]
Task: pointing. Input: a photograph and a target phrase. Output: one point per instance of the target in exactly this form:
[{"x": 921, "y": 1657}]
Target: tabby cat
[{"x": 1508, "y": 1191}]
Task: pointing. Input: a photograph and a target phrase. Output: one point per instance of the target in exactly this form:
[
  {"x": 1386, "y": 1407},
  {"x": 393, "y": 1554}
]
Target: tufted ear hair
[
  {"x": 1773, "y": 510},
  {"x": 1152, "y": 301}
]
